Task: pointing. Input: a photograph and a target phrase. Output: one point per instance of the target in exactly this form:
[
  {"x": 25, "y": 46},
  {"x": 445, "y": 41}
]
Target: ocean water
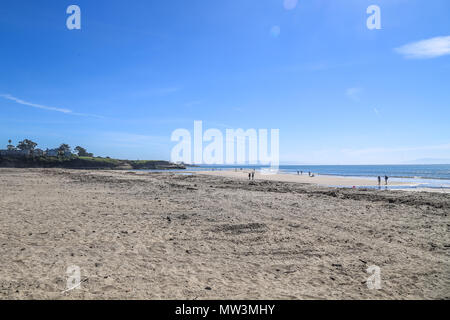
[
  {"x": 436, "y": 171},
  {"x": 399, "y": 171},
  {"x": 437, "y": 176}
]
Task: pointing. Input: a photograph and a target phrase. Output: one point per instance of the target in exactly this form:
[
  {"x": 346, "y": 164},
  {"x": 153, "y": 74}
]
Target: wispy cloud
[
  {"x": 426, "y": 49},
  {"x": 353, "y": 93},
  {"x": 132, "y": 140},
  {"x": 165, "y": 91},
  {"x": 193, "y": 103},
  {"x": 154, "y": 92},
  {"x": 391, "y": 150},
  {"x": 34, "y": 105},
  {"x": 43, "y": 107}
]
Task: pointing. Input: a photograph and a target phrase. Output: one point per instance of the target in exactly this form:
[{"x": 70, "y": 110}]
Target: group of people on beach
[
  {"x": 309, "y": 174},
  {"x": 386, "y": 178},
  {"x": 251, "y": 176}
]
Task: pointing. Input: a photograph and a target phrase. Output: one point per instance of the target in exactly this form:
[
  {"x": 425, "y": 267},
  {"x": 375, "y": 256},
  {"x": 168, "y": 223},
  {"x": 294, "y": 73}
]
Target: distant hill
[{"x": 85, "y": 163}]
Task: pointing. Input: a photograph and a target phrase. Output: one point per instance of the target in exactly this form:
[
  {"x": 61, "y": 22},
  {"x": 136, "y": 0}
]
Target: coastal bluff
[{"x": 86, "y": 163}]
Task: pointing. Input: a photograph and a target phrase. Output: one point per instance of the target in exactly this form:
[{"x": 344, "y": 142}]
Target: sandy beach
[
  {"x": 141, "y": 235},
  {"x": 323, "y": 180}
]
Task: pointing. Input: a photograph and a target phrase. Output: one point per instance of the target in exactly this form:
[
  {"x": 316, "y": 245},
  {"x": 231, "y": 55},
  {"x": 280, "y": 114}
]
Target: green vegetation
[
  {"x": 82, "y": 152},
  {"x": 98, "y": 159},
  {"x": 76, "y": 162},
  {"x": 26, "y": 145},
  {"x": 64, "y": 158},
  {"x": 10, "y": 147}
]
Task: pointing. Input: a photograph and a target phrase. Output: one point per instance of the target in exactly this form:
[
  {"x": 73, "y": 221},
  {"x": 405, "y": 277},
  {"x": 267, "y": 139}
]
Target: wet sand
[
  {"x": 323, "y": 180},
  {"x": 171, "y": 236}
]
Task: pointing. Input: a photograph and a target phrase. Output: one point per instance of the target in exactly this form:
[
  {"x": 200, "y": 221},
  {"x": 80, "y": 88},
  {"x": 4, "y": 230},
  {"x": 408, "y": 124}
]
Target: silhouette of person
[
  {"x": 253, "y": 175},
  {"x": 249, "y": 176},
  {"x": 379, "y": 181},
  {"x": 386, "y": 179}
]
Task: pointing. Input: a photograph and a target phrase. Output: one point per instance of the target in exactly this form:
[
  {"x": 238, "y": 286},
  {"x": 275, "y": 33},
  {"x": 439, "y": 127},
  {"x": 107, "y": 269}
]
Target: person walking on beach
[
  {"x": 249, "y": 176},
  {"x": 253, "y": 175},
  {"x": 379, "y": 181},
  {"x": 386, "y": 179}
]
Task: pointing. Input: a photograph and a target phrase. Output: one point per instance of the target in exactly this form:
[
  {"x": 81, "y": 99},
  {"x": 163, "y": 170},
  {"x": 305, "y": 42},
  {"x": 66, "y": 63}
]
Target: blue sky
[{"x": 137, "y": 70}]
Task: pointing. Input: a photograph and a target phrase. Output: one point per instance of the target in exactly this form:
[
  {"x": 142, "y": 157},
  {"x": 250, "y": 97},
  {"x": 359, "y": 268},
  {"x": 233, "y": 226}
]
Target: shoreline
[
  {"x": 331, "y": 181},
  {"x": 321, "y": 180},
  {"x": 424, "y": 174}
]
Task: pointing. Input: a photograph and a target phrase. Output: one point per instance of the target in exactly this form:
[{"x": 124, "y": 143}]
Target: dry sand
[{"x": 172, "y": 236}]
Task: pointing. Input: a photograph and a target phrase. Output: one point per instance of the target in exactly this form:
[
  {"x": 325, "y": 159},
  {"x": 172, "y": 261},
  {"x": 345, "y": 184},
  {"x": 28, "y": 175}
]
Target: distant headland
[{"x": 26, "y": 155}]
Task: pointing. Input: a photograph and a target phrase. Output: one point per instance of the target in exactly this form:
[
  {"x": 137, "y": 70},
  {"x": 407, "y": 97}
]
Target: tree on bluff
[
  {"x": 63, "y": 149},
  {"x": 26, "y": 145},
  {"x": 10, "y": 147},
  {"x": 82, "y": 152}
]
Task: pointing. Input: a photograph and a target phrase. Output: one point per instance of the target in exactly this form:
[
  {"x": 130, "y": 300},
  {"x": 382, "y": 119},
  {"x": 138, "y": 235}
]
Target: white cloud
[
  {"x": 152, "y": 92},
  {"x": 353, "y": 93},
  {"x": 193, "y": 103},
  {"x": 132, "y": 140},
  {"x": 34, "y": 105},
  {"x": 165, "y": 91},
  {"x": 290, "y": 4},
  {"x": 275, "y": 31},
  {"x": 43, "y": 107},
  {"x": 426, "y": 49},
  {"x": 369, "y": 155}
]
